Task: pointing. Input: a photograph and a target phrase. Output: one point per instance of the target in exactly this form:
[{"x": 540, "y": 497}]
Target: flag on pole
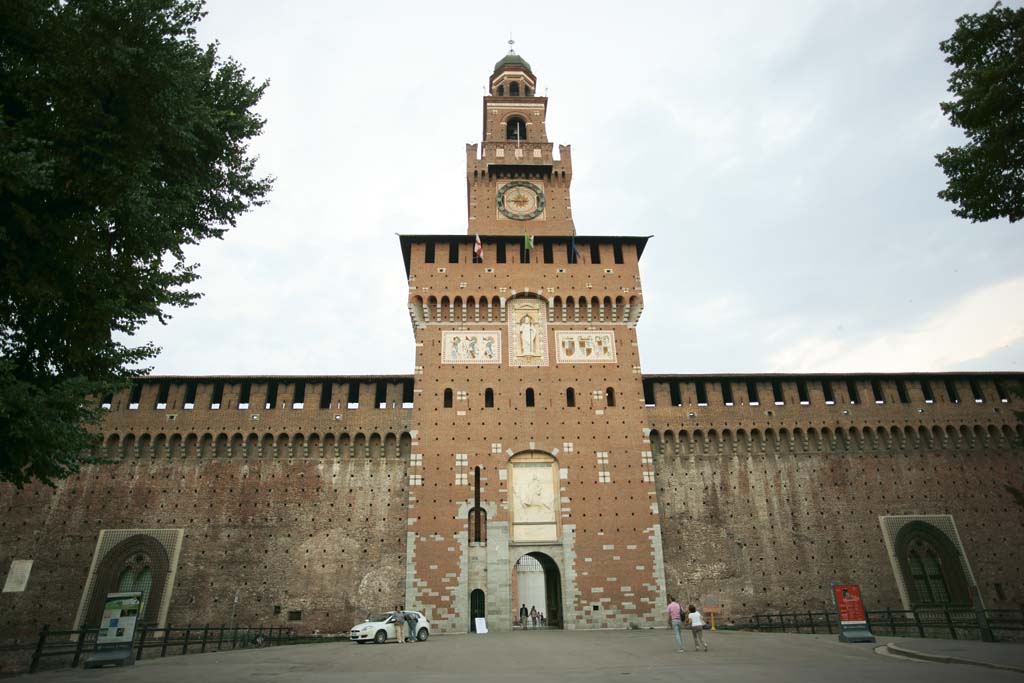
[
  {"x": 528, "y": 242},
  {"x": 574, "y": 250},
  {"x": 478, "y": 249}
]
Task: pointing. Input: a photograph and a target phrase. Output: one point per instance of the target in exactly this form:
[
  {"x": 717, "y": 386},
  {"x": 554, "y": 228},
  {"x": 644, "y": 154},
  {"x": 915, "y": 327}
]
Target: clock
[{"x": 520, "y": 200}]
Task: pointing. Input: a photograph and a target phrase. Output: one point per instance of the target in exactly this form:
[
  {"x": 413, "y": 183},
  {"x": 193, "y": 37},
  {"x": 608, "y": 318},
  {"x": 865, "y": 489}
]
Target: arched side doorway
[
  {"x": 477, "y": 608},
  {"x": 931, "y": 567},
  {"x": 538, "y": 584}
]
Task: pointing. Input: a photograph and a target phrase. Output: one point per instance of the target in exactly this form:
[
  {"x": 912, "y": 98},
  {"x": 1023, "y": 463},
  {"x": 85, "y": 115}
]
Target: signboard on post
[
  {"x": 711, "y": 608},
  {"x": 121, "y": 613},
  {"x": 853, "y": 621}
]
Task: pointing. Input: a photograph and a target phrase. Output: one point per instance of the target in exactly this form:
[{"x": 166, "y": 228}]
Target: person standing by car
[
  {"x": 675, "y": 621},
  {"x": 696, "y": 622},
  {"x": 399, "y": 621},
  {"x": 411, "y": 620}
]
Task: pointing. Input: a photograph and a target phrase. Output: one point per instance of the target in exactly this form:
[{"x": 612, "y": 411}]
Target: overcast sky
[{"x": 781, "y": 154}]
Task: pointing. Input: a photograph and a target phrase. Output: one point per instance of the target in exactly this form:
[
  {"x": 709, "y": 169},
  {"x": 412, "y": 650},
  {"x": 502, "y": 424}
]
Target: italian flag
[{"x": 478, "y": 248}]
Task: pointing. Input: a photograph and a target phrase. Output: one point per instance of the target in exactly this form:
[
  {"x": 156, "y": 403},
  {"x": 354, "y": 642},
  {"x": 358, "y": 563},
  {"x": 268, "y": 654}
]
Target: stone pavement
[
  {"x": 547, "y": 656},
  {"x": 993, "y": 655}
]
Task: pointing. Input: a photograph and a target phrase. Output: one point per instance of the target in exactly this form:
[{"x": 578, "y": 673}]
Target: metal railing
[
  {"x": 922, "y": 622},
  {"x": 67, "y": 648}
]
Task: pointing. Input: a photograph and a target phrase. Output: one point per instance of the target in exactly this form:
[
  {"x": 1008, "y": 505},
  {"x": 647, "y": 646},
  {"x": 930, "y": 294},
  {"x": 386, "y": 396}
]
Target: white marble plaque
[
  {"x": 584, "y": 346},
  {"x": 17, "y": 577},
  {"x": 534, "y": 509},
  {"x": 471, "y": 346},
  {"x": 527, "y": 333}
]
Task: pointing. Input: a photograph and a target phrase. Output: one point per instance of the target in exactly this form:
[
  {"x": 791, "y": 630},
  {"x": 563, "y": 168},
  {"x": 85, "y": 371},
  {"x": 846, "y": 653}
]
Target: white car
[{"x": 380, "y": 628}]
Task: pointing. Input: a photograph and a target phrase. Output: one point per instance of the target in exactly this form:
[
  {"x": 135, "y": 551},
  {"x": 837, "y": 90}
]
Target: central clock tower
[
  {"x": 515, "y": 183},
  {"x": 531, "y": 480}
]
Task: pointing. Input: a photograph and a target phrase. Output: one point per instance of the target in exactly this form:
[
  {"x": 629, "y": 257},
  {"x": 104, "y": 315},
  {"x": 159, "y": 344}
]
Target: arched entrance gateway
[{"x": 537, "y": 583}]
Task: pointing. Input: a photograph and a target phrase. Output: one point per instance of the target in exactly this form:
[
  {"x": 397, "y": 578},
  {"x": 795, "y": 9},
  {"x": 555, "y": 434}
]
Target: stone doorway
[
  {"x": 538, "y": 583},
  {"x": 477, "y": 608}
]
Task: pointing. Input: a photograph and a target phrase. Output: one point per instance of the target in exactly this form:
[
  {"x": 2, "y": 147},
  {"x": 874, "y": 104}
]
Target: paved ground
[
  {"x": 549, "y": 656},
  {"x": 1001, "y": 655}
]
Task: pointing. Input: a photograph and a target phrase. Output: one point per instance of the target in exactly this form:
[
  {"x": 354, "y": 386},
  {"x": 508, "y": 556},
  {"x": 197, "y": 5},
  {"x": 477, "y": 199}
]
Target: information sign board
[{"x": 853, "y": 622}]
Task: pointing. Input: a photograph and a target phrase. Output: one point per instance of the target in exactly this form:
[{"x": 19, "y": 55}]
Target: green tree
[
  {"x": 986, "y": 174},
  {"x": 122, "y": 141}
]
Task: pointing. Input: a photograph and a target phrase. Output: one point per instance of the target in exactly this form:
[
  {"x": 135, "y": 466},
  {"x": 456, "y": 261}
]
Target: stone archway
[
  {"x": 139, "y": 552},
  {"x": 538, "y": 583}
]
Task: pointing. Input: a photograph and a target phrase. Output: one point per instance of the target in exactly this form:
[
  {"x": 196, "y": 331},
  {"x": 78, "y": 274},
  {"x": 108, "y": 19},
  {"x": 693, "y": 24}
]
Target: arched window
[
  {"x": 926, "y": 573},
  {"x": 570, "y": 397},
  {"x": 501, "y": 91},
  {"x": 932, "y": 570},
  {"x": 488, "y": 398},
  {"x": 515, "y": 129},
  {"x": 513, "y": 89},
  {"x": 529, "y": 398},
  {"x": 447, "y": 398},
  {"x": 609, "y": 395}
]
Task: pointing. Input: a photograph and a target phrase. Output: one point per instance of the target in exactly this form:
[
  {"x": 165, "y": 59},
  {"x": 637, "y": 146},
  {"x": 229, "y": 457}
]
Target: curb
[{"x": 946, "y": 659}]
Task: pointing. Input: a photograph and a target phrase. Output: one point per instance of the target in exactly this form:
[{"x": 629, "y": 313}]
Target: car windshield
[{"x": 383, "y": 616}]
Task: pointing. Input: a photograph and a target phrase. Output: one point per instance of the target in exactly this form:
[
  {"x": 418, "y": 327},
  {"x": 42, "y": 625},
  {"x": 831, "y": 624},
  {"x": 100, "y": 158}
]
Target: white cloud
[{"x": 978, "y": 324}]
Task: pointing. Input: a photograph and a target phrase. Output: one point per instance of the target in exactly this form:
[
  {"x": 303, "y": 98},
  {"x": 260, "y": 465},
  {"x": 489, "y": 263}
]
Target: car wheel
[
  {"x": 381, "y": 637},
  {"x": 422, "y": 634}
]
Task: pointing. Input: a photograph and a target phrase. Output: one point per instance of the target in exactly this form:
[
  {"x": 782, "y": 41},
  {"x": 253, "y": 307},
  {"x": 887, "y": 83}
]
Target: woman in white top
[{"x": 696, "y": 622}]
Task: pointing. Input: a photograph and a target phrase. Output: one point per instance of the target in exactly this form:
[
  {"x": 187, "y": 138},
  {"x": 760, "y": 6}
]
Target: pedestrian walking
[
  {"x": 399, "y": 620},
  {"x": 696, "y": 621},
  {"x": 524, "y": 615},
  {"x": 533, "y": 615},
  {"x": 675, "y": 621}
]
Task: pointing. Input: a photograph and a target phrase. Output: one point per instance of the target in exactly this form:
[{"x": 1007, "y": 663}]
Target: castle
[{"x": 526, "y": 459}]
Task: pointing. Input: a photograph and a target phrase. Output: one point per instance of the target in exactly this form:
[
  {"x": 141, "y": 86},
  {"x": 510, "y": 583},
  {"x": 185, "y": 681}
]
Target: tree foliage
[
  {"x": 122, "y": 141},
  {"x": 986, "y": 175}
]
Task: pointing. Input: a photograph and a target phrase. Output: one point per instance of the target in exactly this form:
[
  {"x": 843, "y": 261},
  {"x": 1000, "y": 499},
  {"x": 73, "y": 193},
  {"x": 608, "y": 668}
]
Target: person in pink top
[{"x": 675, "y": 620}]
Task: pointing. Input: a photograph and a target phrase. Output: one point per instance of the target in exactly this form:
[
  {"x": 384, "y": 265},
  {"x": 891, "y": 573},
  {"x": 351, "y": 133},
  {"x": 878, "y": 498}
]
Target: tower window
[
  {"x": 826, "y": 388},
  {"x": 617, "y": 251},
  {"x": 218, "y": 396},
  {"x": 513, "y": 89},
  {"x": 595, "y": 253},
  {"x": 161, "y": 397},
  {"x": 299, "y": 397},
  {"x": 752, "y": 397},
  {"x": 951, "y": 392},
  {"x": 727, "y": 393},
  {"x": 190, "y": 396},
  {"x": 976, "y": 392},
  {"x": 926, "y": 391},
  {"x": 530, "y": 401},
  {"x": 1001, "y": 391},
  {"x": 702, "y": 393},
  {"x": 488, "y": 398},
  {"x": 326, "y": 394},
  {"x": 549, "y": 252},
  {"x": 851, "y": 389},
  {"x": 515, "y": 129},
  {"x": 447, "y": 398},
  {"x": 570, "y": 397},
  {"x": 136, "y": 396},
  {"x": 499, "y": 252},
  {"x": 777, "y": 395},
  {"x": 802, "y": 395},
  {"x": 428, "y": 252},
  {"x": 901, "y": 390},
  {"x": 453, "y": 252},
  {"x": 244, "y": 394},
  {"x": 610, "y": 397},
  {"x": 501, "y": 91},
  {"x": 876, "y": 392},
  {"x": 524, "y": 253},
  {"x": 526, "y": 90},
  {"x": 674, "y": 395},
  {"x": 271, "y": 401}
]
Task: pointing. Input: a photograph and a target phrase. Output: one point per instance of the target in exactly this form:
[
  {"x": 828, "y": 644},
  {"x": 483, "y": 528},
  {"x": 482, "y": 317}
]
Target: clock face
[{"x": 520, "y": 200}]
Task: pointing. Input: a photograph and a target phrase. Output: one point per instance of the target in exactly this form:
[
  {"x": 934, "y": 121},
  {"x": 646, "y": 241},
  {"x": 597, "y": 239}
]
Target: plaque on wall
[
  {"x": 471, "y": 346},
  {"x": 584, "y": 347},
  {"x": 527, "y": 333}
]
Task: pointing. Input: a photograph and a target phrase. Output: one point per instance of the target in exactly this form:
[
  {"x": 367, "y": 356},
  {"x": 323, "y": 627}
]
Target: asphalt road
[{"x": 547, "y": 656}]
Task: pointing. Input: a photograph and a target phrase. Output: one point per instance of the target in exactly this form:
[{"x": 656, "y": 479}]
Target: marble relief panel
[
  {"x": 471, "y": 346},
  {"x": 527, "y": 332},
  {"x": 584, "y": 346}
]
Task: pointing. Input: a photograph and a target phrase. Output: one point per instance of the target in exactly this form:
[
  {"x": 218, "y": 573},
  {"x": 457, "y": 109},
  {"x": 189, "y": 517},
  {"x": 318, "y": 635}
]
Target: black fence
[
  {"x": 57, "y": 649},
  {"x": 960, "y": 624}
]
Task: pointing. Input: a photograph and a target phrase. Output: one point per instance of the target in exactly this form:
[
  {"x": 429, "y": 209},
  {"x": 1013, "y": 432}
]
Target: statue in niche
[
  {"x": 527, "y": 336},
  {"x": 527, "y": 332}
]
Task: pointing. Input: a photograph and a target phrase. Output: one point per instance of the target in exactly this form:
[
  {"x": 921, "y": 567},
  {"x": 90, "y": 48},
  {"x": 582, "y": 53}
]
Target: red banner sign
[{"x": 848, "y": 602}]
